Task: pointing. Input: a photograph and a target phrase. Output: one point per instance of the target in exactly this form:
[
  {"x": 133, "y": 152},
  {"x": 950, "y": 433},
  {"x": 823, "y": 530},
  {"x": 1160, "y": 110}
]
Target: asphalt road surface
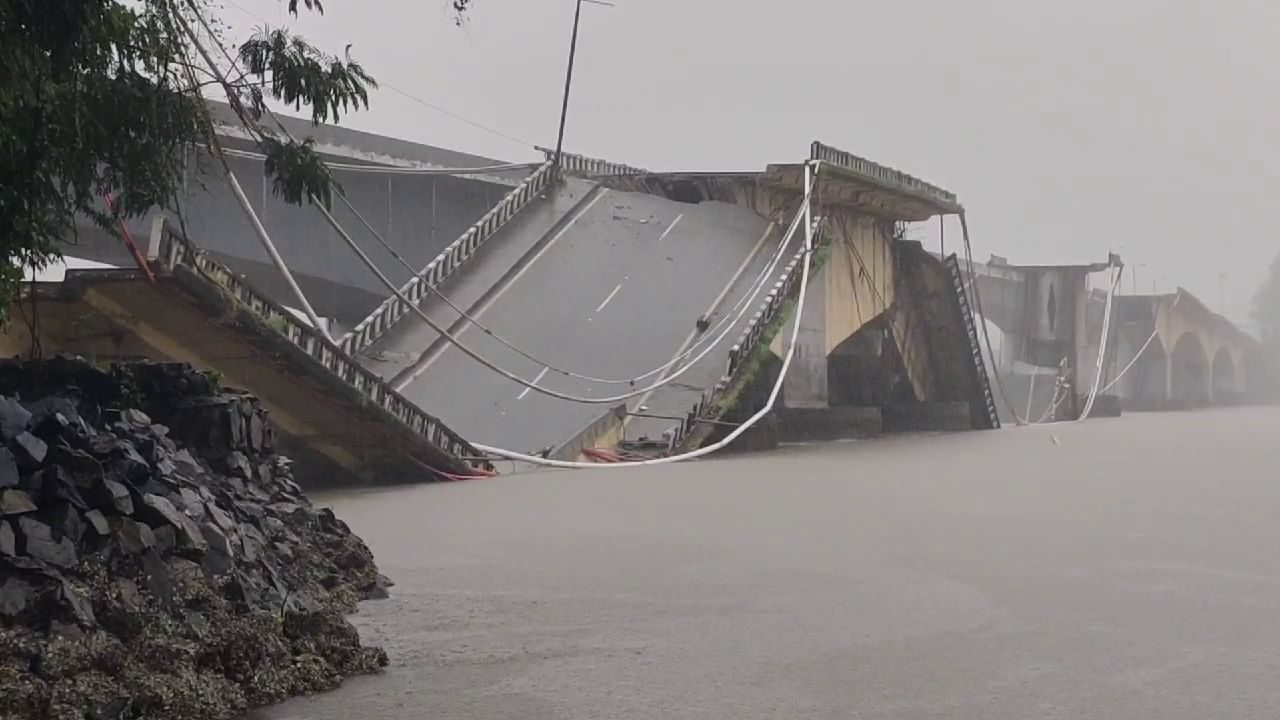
[
  {"x": 613, "y": 294},
  {"x": 1128, "y": 570},
  {"x": 402, "y": 345}
]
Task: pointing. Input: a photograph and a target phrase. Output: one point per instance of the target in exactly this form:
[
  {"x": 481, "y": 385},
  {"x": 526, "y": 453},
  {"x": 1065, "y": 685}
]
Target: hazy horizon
[{"x": 1067, "y": 130}]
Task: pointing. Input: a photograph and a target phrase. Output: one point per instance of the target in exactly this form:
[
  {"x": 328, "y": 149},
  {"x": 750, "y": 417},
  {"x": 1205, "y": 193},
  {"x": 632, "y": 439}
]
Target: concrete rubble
[{"x": 157, "y": 559}]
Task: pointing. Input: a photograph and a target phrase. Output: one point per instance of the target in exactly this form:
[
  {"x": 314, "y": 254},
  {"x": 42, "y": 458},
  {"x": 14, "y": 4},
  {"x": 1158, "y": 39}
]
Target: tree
[{"x": 101, "y": 96}]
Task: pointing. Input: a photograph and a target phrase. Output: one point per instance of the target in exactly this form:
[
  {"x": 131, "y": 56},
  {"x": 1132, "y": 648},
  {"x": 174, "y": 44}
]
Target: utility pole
[
  {"x": 1222, "y": 294},
  {"x": 1134, "y": 277},
  {"x": 568, "y": 82}
]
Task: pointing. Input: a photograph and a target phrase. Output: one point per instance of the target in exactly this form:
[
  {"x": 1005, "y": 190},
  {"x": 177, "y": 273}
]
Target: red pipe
[{"x": 128, "y": 239}]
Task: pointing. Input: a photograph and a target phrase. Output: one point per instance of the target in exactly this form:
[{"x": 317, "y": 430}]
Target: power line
[
  {"x": 393, "y": 169},
  {"x": 807, "y": 258},
  {"x": 425, "y": 103},
  {"x": 443, "y": 332},
  {"x": 459, "y": 118}
]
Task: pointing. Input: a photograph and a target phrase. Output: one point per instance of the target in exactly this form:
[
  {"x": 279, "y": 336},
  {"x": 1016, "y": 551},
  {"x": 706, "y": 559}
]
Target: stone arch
[
  {"x": 1226, "y": 389},
  {"x": 1189, "y": 379},
  {"x": 1149, "y": 379}
]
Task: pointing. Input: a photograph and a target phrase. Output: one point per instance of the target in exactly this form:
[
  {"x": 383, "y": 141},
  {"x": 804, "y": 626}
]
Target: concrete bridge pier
[{"x": 881, "y": 344}]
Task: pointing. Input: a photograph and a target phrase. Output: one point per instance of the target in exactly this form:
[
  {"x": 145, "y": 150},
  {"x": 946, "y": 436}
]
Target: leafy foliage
[
  {"x": 102, "y": 96},
  {"x": 297, "y": 172},
  {"x": 90, "y": 101},
  {"x": 300, "y": 75}
]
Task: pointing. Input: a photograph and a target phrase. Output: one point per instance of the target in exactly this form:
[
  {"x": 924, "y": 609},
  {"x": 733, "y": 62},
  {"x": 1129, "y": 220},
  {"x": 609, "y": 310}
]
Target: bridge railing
[
  {"x": 788, "y": 281},
  {"x": 367, "y": 331},
  {"x": 170, "y": 251},
  {"x": 589, "y": 167},
  {"x": 880, "y": 174}
]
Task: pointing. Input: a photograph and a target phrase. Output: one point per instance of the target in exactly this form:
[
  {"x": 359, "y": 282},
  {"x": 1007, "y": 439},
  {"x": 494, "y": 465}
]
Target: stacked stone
[{"x": 157, "y": 559}]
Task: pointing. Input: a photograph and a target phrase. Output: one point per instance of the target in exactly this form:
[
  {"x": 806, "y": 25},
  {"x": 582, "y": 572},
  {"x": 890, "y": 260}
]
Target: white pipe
[
  {"x": 469, "y": 352},
  {"x": 1102, "y": 350},
  {"x": 1141, "y": 350},
  {"x": 749, "y": 293},
  {"x": 725, "y": 322},
  {"x": 1031, "y": 392},
  {"x": 276, "y": 260},
  {"x": 738, "y": 431}
]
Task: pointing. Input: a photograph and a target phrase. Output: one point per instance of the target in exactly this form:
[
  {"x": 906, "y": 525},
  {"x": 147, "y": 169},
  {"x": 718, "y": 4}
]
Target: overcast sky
[{"x": 1067, "y": 128}]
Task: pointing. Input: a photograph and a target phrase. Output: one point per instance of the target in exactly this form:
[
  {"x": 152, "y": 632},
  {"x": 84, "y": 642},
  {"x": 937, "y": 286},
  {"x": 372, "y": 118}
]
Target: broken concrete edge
[
  {"x": 726, "y": 396},
  {"x": 725, "y": 401},
  {"x": 220, "y": 303},
  {"x": 603, "y": 428},
  {"x": 884, "y": 176},
  {"x": 591, "y": 168}
]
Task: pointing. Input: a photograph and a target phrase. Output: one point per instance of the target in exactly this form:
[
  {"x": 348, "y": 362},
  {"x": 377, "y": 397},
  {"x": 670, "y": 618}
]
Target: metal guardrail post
[
  {"x": 174, "y": 250},
  {"x": 391, "y": 310},
  {"x": 879, "y": 173}
]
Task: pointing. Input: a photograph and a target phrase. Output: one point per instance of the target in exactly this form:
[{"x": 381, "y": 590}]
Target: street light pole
[{"x": 568, "y": 81}]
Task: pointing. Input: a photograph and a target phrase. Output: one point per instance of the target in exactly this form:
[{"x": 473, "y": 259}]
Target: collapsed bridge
[{"x": 595, "y": 281}]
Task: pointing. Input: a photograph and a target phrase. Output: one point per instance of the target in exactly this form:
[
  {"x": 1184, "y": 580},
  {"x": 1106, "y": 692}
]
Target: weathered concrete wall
[
  {"x": 853, "y": 288},
  {"x": 860, "y": 274},
  {"x": 938, "y": 346},
  {"x": 806, "y": 383}
]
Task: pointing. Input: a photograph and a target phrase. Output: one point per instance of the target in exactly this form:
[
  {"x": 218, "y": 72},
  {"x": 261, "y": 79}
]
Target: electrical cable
[
  {"x": 414, "y": 98},
  {"x": 1102, "y": 347},
  {"x": 394, "y": 169},
  {"x": 1061, "y": 389},
  {"x": 751, "y": 291},
  {"x": 467, "y": 350},
  {"x": 810, "y": 169},
  {"x": 1143, "y": 349},
  {"x": 976, "y": 306}
]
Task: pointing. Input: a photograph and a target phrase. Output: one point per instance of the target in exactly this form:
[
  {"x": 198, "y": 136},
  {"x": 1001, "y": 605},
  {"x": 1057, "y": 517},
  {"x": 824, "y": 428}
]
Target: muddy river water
[{"x": 1120, "y": 568}]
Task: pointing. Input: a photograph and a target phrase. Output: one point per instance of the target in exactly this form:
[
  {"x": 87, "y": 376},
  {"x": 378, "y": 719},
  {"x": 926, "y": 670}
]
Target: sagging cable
[
  {"x": 810, "y": 170},
  {"x": 713, "y": 332}
]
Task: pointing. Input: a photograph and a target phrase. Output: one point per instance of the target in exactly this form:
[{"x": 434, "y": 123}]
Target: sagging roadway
[{"x": 601, "y": 282}]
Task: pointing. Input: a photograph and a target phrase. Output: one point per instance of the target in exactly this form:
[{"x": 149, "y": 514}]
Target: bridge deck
[
  {"x": 338, "y": 435},
  {"x": 403, "y": 345},
  {"x": 615, "y": 294}
]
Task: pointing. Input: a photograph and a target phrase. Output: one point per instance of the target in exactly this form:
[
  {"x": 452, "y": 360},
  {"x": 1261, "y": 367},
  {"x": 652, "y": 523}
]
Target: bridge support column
[{"x": 806, "y": 383}]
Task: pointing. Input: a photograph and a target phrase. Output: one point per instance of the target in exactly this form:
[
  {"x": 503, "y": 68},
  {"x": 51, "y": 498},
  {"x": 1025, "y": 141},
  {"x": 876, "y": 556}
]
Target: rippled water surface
[{"x": 1115, "y": 569}]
